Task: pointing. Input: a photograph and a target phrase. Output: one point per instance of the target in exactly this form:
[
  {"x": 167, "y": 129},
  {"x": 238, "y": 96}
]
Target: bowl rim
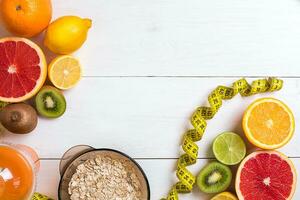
[{"x": 106, "y": 149}]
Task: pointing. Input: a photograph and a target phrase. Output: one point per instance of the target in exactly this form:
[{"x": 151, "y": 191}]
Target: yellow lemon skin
[{"x": 67, "y": 34}]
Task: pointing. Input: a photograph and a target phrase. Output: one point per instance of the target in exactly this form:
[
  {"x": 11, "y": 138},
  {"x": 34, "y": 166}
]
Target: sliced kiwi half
[
  {"x": 214, "y": 178},
  {"x": 50, "y": 102}
]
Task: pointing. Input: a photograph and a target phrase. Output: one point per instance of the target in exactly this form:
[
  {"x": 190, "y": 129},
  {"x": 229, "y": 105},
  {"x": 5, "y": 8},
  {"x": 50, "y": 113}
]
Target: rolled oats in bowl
[{"x": 104, "y": 175}]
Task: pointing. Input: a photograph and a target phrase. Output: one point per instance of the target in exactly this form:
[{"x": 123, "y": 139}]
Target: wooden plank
[
  {"x": 160, "y": 174},
  {"x": 195, "y": 37},
  {"x": 144, "y": 117}
]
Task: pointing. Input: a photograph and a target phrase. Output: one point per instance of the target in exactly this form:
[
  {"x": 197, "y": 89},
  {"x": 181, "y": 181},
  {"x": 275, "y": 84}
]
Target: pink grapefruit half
[
  {"x": 23, "y": 69},
  {"x": 266, "y": 175}
]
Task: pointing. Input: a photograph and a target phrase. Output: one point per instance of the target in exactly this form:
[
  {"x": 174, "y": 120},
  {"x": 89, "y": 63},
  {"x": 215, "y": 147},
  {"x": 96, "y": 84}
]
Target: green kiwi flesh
[
  {"x": 214, "y": 178},
  {"x": 50, "y": 102}
]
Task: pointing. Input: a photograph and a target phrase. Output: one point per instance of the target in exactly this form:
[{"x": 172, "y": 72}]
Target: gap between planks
[
  {"x": 292, "y": 157},
  {"x": 155, "y": 76}
]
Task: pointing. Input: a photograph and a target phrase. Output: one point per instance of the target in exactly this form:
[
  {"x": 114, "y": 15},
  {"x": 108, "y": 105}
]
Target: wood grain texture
[
  {"x": 188, "y": 38},
  {"x": 145, "y": 117},
  {"x": 149, "y": 64},
  {"x": 160, "y": 174},
  {"x": 194, "y": 38}
]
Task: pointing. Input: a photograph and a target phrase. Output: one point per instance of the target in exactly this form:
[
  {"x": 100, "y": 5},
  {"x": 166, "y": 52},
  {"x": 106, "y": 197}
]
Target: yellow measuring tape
[
  {"x": 198, "y": 120},
  {"x": 38, "y": 196}
]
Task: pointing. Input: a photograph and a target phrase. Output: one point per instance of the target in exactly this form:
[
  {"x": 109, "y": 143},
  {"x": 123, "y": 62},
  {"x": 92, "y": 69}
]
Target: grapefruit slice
[
  {"x": 266, "y": 175},
  {"x": 23, "y": 69}
]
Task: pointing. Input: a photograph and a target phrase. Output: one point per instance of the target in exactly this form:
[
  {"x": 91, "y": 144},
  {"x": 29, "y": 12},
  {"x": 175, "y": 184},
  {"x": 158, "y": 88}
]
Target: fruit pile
[
  {"x": 264, "y": 174},
  {"x": 23, "y": 65}
]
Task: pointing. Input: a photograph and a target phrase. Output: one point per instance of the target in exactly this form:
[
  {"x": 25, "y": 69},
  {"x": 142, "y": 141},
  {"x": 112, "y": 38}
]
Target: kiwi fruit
[
  {"x": 214, "y": 178},
  {"x": 19, "y": 118},
  {"x": 50, "y": 102}
]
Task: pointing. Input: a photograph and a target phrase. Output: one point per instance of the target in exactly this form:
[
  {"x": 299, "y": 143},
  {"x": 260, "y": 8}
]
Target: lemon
[
  {"x": 64, "y": 72},
  {"x": 224, "y": 196},
  {"x": 67, "y": 34}
]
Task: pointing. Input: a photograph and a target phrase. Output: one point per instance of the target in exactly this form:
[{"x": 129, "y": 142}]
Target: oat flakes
[{"x": 104, "y": 178}]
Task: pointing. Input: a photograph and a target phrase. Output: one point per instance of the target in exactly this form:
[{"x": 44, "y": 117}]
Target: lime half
[{"x": 229, "y": 148}]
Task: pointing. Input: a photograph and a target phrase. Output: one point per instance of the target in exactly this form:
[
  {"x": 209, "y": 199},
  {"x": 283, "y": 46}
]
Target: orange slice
[{"x": 268, "y": 123}]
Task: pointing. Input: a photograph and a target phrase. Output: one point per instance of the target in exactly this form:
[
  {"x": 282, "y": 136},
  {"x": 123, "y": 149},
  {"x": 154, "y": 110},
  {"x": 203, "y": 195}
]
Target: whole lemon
[{"x": 67, "y": 34}]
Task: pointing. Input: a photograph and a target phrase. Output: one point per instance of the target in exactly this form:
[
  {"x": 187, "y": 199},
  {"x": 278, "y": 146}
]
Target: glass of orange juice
[{"x": 18, "y": 167}]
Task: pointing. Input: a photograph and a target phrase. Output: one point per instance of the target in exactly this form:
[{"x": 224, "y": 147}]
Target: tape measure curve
[{"x": 198, "y": 121}]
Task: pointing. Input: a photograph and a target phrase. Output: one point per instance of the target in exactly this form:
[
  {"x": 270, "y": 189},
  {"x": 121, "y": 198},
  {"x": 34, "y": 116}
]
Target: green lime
[{"x": 229, "y": 148}]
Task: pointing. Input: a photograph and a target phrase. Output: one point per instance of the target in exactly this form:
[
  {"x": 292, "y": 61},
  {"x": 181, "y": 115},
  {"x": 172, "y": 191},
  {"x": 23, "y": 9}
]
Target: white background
[{"x": 149, "y": 64}]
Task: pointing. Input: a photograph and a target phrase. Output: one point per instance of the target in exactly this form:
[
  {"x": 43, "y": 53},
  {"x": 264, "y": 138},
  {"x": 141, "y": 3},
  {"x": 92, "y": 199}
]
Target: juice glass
[{"x": 18, "y": 167}]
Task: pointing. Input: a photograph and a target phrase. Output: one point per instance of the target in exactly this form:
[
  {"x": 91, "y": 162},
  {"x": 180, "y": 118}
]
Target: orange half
[{"x": 268, "y": 123}]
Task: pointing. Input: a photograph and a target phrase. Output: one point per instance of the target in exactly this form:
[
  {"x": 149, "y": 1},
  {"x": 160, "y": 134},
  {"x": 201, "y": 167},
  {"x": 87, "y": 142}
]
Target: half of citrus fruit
[
  {"x": 229, "y": 148},
  {"x": 64, "y": 72},
  {"x": 23, "y": 69},
  {"x": 266, "y": 175},
  {"x": 224, "y": 196},
  {"x": 268, "y": 123}
]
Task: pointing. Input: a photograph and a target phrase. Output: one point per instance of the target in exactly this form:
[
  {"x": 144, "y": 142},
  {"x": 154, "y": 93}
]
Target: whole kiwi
[{"x": 19, "y": 118}]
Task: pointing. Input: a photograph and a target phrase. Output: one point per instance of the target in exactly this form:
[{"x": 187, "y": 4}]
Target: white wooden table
[{"x": 149, "y": 64}]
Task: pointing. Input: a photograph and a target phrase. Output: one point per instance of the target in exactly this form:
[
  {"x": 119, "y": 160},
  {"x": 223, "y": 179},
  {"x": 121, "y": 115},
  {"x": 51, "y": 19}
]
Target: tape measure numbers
[{"x": 198, "y": 120}]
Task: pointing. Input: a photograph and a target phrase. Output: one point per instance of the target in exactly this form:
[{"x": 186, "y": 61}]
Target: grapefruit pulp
[
  {"x": 23, "y": 69},
  {"x": 266, "y": 175}
]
